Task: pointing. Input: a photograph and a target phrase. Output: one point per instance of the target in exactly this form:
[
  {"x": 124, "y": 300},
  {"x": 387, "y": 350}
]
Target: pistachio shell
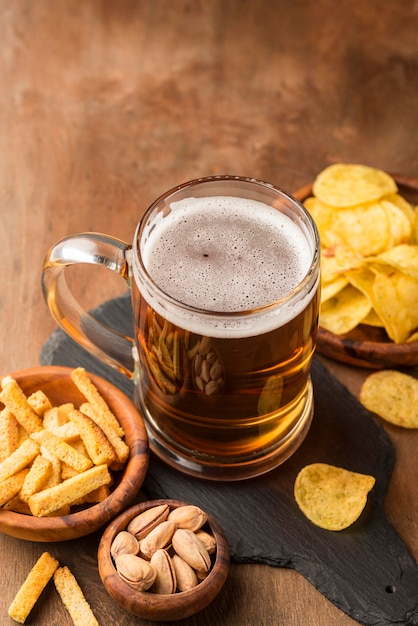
[
  {"x": 191, "y": 549},
  {"x": 135, "y": 571},
  {"x": 188, "y": 516},
  {"x": 185, "y": 574},
  {"x": 143, "y": 523},
  {"x": 158, "y": 537},
  {"x": 208, "y": 541},
  {"x": 165, "y": 582},
  {"x": 124, "y": 543}
]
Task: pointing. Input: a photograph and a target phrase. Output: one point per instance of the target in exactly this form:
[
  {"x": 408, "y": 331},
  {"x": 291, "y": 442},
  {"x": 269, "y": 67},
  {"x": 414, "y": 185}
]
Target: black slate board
[{"x": 365, "y": 570}]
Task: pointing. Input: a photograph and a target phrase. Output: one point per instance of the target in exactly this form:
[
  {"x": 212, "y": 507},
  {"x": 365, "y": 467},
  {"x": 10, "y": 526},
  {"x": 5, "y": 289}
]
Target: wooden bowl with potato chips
[
  {"x": 73, "y": 453},
  {"x": 368, "y": 225}
]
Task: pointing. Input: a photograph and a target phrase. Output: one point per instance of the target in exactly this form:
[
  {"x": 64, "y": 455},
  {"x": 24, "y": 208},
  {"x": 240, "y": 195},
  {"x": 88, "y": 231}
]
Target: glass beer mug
[{"x": 224, "y": 276}]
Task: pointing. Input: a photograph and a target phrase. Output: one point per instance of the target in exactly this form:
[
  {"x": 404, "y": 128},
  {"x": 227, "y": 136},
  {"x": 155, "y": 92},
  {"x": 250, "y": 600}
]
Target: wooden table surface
[{"x": 106, "y": 104}]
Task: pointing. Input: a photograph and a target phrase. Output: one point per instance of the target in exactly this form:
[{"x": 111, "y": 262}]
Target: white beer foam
[{"x": 226, "y": 254}]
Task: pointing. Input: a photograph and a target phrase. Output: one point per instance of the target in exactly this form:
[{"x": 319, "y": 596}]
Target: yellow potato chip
[
  {"x": 322, "y": 215},
  {"x": 363, "y": 280},
  {"x": 403, "y": 257},
  {"x": 400, "y": 227},
  {"x": 404, "y": 205},
  {"x": 370, "y": 228},
  {"x": 331, "y": 497},
  {"x": 344, "y": 185},
  {"x": 372, "y": 319},
  {"x": 395, "y": 300},
  {"x": 337, "y": 260},
  {"x": 332, "y": 287},
  {"x": 393, "y": 396},
  {"x": 344, "y": 311},
  {"x": 414, "y": 235}
]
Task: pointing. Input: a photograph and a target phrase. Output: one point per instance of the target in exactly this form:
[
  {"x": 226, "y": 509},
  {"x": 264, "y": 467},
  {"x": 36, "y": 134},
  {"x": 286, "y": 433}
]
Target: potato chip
[
  {"x": 371, "y": 228},
  {"x": 344, "y": 311},
  {"x": 331, "y": 497},
  {"x": 322, "y": 215},
  {"x": 337, "y": 260},
  {"x": 400, "y": 227},
  {"x": 363, "y": 280},
  {"x": 372, "y": 319},
  {"x": 404, "y": 205},
  {"x": 395, "y": 300},
  {"x": 414, "y": 235},
  {"x": 332, "y": 287},
  {"x": 393, "y": 396},
  {"x": 344, "y": 185},
  {"x": 403, "y": 257}
]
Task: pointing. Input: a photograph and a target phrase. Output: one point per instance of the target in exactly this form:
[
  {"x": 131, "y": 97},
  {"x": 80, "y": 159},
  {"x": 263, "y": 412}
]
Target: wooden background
[{"x": 106, "y": 104}]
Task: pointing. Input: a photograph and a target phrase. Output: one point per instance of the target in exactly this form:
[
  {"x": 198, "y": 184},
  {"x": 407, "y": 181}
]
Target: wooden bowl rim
[
  {"x": 154, "y": 606},
  {"x": 372, "y": 354},
  {"x": 87, "y": 521}
]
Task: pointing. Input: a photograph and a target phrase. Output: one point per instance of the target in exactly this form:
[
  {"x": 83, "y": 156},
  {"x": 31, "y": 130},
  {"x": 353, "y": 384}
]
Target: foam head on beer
[{"x": 227, "y": 254}]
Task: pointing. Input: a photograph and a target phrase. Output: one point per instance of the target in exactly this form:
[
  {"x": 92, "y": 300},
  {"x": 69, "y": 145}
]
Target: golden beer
[{"x": 226, "y": 311}]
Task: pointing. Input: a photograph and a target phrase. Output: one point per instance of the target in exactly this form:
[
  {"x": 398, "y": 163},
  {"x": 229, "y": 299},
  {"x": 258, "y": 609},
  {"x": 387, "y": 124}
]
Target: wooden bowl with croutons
[{"x": 125, "y": 478}]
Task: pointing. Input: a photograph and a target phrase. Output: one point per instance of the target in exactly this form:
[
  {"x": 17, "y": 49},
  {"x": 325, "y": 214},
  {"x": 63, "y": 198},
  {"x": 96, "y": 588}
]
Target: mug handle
[{"x": 108, "y": 345}]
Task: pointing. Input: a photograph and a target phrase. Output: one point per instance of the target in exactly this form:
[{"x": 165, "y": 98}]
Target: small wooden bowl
[
  {"x": 57, "y": 385},
  {"x": 154, "y": 606},
  {"x": 366, "y": 346}
]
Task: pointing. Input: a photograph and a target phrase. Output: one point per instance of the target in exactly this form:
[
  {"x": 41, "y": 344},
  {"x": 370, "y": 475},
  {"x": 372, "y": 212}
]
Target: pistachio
[
  {"x": 188, "y": 516},
  {"x": 143, "y": 523},
  {"x": 124, "y": 543},
  {"x": 158, "y": 537},
  {"x": 136, "y": 572},
  {"x": 207, "y": 367},
  {"x": 185, "y": 574},
  {"x": 208, "y": 541},
  {"x": 191, "y": 549},
  {"x": 201, "y": 575},
  {"x": 165, "y": 582}
]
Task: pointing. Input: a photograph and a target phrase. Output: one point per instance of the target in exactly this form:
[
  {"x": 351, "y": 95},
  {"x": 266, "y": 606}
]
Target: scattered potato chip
[
  {"x": 393, "y": 396},
  {"x": 331, "y": 497},
  {"x": 343, "y": 185}
]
